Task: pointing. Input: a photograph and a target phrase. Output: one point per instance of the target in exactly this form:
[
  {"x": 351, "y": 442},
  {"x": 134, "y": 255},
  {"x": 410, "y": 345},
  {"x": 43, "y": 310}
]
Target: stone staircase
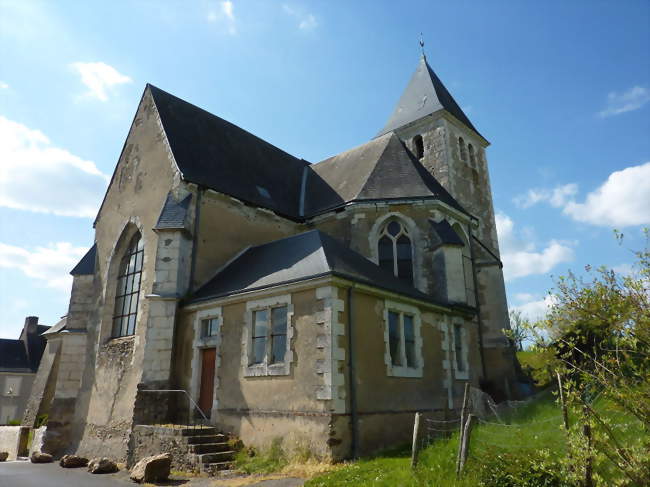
[
  {"x": 201, "y": 448},
  {"x": 209, "y": 449}
]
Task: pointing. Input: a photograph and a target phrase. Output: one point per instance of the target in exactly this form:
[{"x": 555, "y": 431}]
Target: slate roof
[
  {"x": 174, "y": 214},
  {"x": 424, "y": 95},
  {"x": 443, "y": 234},
  {"x": 217, "y": 154},
  {"x": 304, "y": 256},
  {"x": 13, "y": 355},
  {"x": 86, "y": 266},
  {"x": 378, "y": 170}
]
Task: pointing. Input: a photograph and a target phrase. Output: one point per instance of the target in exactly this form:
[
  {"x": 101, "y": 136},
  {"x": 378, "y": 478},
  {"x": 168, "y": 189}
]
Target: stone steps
[
  {"x": 195, "y": 440},
  {"x": 216, "y": 457},
  {"x": 209, "y": 447}
]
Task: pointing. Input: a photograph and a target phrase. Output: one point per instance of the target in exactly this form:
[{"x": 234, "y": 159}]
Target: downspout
[
  {"x": 195, "y": 237},
  {"x": 354, "y": 436},
  {"x": 478, "y": 303}
]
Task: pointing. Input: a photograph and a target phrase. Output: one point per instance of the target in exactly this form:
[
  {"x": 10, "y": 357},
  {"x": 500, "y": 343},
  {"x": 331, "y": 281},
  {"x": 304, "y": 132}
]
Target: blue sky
[{"x": 561, "y": 90}]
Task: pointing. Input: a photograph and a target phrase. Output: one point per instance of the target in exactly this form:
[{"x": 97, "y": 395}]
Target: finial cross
[{"x": 421, "y": 43}]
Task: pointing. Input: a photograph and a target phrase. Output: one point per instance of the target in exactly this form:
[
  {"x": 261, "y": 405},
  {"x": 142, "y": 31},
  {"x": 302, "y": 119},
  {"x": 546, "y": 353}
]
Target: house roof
[
  {"x": 380, "y": 169},
  {"x": 86, "y": 266},
  {"x": 173, "y": 214},
  {"x": 304, "y": 256},
  {"x": 217, "y": 154},
  {"x": 424, "y": 95},
  {"x": 13, "y": 355}
]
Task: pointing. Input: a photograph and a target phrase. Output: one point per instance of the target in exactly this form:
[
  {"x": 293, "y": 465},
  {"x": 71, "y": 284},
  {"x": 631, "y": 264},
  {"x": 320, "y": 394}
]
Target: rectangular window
[
  {"x": 278, "y": 334},
  {"x": 260, "y": 333},
  {"x": 409, "y": 341},
  {"x": 209, "y": 327},
  {"x": 394, "y": 338},
  {"x": 458, "y": 347}
]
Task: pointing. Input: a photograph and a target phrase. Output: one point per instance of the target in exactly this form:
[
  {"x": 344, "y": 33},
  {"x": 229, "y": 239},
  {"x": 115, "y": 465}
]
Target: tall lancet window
[
  {"x": 472, "y": 156},
  {"x": 128, "y": 289},
  {"x": 395, "y": 251},
  {"x": 418, "y": 146},
  {"x": 462, "y": 150}
]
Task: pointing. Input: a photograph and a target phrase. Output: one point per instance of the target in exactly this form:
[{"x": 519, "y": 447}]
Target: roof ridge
[{"x": 389, "y": 137}]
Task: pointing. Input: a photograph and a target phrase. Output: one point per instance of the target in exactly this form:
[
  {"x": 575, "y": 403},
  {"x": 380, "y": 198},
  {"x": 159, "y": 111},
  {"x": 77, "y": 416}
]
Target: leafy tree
[
  {"x": 601, "y": 333},
  {"x": 519, "y": 326}
]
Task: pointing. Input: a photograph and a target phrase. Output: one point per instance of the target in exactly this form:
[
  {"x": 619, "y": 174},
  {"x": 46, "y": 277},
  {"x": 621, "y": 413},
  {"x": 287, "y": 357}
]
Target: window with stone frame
[
  {"x": 403, "y": 354},
  {"x": 461, "y": 149},
  {"x": 127, "y": 295},
  {"x": 269, "y": 335},
  {"x": 472, "y": 156},
  {"x": 395, "y": 251},
  {"x": 418, "y": 147},
  {"x": 209, "y": 327}
]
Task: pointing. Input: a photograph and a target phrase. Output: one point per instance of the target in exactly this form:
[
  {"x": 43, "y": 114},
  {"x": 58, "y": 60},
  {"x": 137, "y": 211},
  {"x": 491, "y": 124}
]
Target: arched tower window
[
  {"x": 462, "y": 150},
  {"x": 418, "y": 146},
  {"x": 128, "y": 289},
  {"x": 472, "y": 157},
  {"x": 395, "y": 251}
]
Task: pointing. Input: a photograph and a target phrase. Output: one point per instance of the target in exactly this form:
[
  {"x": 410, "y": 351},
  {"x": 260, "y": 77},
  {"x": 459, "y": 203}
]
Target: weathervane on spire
[{"x": 422, "y": 45}]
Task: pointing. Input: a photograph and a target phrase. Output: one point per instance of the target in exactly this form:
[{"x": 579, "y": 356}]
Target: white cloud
[
  {"x": 534, "y": 308},
  {"x": 225, "y": 13},
  {"x": 99, "y": 78},
  {"x": 50, "y": 264},
  {"x": 306, "y": 21},
  {"x": 631, "y": 100},
  {"x": 4, "y": 86},
  {"x": 556, "y": 197},
  {"x": 37, "y": 176},
  {"x": 623, "y": 200},
  {"x": 520, "y": 255}
]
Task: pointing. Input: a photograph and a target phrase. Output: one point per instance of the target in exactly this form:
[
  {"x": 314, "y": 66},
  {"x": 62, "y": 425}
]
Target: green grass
[
  {"x": 270, "y": 460},
  {"x": 533, "y": 427}
]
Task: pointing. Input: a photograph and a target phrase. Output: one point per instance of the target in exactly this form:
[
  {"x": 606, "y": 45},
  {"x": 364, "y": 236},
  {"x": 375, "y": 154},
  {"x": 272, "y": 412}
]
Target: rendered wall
[
  {"x": 9, "y": 436},
  {"x": 14, "y": 394}
]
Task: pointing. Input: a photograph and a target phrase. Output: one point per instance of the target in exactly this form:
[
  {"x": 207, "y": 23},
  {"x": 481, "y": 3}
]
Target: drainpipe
[
  {"x": 352, "y": 381},
  {"x": 478, "y": 304},
  {"x": 195, "y": 237}
]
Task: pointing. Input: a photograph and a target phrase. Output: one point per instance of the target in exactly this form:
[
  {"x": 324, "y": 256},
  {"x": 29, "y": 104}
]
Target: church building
[{"x": 320, "y": 305}]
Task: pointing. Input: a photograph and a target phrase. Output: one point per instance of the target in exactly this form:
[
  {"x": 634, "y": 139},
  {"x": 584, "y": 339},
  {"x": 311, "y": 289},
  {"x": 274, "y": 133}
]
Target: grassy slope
[{"x": 534, "y": 426}]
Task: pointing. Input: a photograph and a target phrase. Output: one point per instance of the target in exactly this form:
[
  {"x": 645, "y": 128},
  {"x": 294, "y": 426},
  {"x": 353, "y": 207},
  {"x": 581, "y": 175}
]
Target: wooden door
[{"x": 208, "y": 356}]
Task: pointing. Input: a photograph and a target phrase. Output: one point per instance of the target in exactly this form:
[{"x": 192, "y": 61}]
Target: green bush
[
  {"x": 524, "y": 468},
  {"x": 14, "y": 422}
]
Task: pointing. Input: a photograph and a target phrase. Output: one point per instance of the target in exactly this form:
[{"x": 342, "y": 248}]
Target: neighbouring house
[
  {"x": 19, "y": 361},
  {"x": 322, "y": 304}
]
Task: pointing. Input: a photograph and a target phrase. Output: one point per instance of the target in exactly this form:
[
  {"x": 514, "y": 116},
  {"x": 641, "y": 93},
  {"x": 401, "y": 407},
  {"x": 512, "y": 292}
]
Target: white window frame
[
  {"x": 464, "y": 348},
  {"x": 265, "y": 368},
  {"x": 403, "y": 370},
  {"x": 201, "y": 342}
]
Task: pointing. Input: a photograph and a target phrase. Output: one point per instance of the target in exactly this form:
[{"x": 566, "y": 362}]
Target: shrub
[{"x": 520, "y": 469}]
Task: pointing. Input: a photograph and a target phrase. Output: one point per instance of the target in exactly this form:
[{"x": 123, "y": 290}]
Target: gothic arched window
[
  {"x": 128, "y": 288},
  {"x": 461, "y": 147},
  {"x": 472, "y": 157},
  {"x": 418, "y": 146},
  {"x": 395, "y": 251}
]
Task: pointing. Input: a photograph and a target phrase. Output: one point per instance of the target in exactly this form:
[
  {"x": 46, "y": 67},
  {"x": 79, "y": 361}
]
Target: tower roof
[{"x": 424, "y": 95}]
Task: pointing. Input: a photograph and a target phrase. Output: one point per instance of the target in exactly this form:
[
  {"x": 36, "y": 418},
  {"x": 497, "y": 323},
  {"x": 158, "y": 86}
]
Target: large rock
[
  {"x": 152, "y": 469},
  {"x": 40, "y": 457},
  {"x": 73, "y": 461},
  {"x": 3, "y": 456},
  {"x": 102, "y": 465}
]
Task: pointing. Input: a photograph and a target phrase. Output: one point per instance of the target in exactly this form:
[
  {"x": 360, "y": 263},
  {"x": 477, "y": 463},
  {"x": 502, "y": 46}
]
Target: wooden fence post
[
  {"x": 565, "y": 413},
  {"x": 463, "y": 415},
  {"x": 464, "y": 452},
  {"x": 416, "y": 434}
]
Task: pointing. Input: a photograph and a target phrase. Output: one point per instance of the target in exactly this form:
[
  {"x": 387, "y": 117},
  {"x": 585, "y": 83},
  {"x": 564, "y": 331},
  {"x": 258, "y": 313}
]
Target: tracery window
[
  {"x": 128, "y": 289},
  {"x": 395, "y": 250}
]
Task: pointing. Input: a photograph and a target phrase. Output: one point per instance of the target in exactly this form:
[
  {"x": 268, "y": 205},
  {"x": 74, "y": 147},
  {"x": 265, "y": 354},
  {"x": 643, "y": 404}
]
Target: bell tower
[{"x": 431, "y": 124}]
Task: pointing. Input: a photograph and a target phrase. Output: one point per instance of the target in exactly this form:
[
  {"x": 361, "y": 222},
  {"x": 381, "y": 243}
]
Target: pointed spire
[{"x": 424, "y": 95}]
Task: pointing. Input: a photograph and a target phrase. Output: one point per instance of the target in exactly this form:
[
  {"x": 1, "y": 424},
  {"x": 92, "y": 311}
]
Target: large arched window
[
  {"x": 128, "y": 289},
  {"x": 395, "y": 251}
]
